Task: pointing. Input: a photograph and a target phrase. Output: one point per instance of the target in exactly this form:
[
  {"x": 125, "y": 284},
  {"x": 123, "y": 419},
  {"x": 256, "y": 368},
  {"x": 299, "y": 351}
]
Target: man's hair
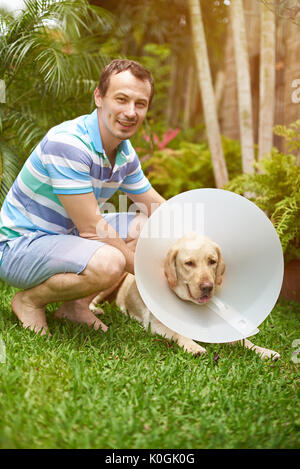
[{"x": 121, "y": 65}]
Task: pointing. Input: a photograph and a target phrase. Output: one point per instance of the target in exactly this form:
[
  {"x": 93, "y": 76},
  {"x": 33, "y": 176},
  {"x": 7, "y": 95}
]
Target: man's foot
[
  {"x": 31, "y": 317},
  {"x": 78, "y": 311}
]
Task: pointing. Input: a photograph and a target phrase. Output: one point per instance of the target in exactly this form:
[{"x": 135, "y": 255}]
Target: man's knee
[{"x": 105, "y": 267}]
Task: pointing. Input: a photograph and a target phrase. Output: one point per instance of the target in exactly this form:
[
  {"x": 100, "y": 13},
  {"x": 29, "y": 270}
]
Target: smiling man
[{"x": 54, "y": 242}]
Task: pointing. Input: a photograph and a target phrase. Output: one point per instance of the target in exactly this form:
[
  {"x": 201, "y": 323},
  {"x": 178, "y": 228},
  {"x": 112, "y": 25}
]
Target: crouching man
[{"x": 54, "y": 243}]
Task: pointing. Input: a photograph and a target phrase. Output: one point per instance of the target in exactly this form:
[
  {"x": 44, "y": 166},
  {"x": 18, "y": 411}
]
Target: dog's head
[{"x": 194, "y": 266}]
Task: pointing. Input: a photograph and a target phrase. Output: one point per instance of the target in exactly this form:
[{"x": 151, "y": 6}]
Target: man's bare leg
[
  {"x": 31, "y": 316},
  {"x": 103, "y": 269},
  {"x": 79, "y": 310}
]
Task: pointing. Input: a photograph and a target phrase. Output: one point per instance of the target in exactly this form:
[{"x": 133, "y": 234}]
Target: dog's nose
[{"x": 206, "y": 288}]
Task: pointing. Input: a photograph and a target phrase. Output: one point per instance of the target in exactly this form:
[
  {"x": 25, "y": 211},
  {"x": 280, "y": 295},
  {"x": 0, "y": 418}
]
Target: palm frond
[
  {"x": 9, "y": 169},
  {"x": 51, "y": 31},
  {"x": 49, "y": 54},
  {"x": 27, "y": 130}
]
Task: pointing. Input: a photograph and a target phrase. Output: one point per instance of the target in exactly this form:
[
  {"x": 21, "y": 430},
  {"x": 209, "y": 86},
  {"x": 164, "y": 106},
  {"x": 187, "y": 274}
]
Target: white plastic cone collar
[{"x": 252, "y": 253}]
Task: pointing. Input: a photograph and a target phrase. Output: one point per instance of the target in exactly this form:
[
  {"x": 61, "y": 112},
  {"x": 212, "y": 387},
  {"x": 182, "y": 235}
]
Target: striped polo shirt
[{"x": 69, "y": 160}]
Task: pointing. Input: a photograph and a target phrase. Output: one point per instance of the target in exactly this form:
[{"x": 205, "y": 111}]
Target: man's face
[{"x": 124, "y": 106}]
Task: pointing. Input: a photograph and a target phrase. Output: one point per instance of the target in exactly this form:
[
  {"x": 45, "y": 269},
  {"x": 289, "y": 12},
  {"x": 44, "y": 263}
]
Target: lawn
[{"x": 127, "y": 389}]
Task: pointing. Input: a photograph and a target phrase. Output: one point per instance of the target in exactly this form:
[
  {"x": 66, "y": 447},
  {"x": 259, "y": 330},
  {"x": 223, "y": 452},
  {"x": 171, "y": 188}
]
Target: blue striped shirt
[{"x": 69, "y": 160}]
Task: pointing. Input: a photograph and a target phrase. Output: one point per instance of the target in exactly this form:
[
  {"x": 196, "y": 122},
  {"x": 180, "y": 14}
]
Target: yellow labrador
[{"x": 194, "y": 268}]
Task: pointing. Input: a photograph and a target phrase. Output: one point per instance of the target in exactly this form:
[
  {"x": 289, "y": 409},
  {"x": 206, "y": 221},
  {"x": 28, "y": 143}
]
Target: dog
[{"x": 194, "y": 269}]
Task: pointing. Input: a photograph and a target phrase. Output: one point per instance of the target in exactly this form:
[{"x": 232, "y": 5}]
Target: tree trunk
[
  {"x": 207, "y": 94},
  {"x": 292, "y": 68},
  {"x": 280, "y": 68},
  {"x": 219, "y": 88},
  {"x": 243, "y": 84},
  {"x": 172, "y": 90},
  {"x": 188, "y": 95},
  {"x": 267, "y": 82}
]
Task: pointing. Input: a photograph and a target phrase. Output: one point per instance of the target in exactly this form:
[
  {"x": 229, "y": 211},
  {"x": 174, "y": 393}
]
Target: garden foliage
[
  {"x": 50, "y": 58},
  {"x": 275, "y": 189},
  {"x": 188, "y": 167}
]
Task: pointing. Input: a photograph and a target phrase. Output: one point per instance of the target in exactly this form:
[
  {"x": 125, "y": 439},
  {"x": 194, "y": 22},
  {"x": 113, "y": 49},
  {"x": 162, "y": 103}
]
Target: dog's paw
[
  {"x": 194, "y": 348},
  {"x": 271, "y": 354},
  {"x": 95, "y": 309},
  {"x": 265, "y": 353}
]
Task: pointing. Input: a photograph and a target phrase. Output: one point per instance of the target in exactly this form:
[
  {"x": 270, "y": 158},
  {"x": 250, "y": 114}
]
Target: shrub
[
  {"x": 276, "y": 191},
  {"x": 172, "y": 171}
]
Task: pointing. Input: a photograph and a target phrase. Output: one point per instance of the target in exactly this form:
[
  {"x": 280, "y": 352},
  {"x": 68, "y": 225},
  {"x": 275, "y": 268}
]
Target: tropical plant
[
  {"x": 275, "y": 189},
  {"x": 151, "y": 142},
  {"x": 172, "y": 171},
  {"x": 50, "y": 61},
  {"x": 155, "y": 57},
  {"x": 291, "y": 134}
]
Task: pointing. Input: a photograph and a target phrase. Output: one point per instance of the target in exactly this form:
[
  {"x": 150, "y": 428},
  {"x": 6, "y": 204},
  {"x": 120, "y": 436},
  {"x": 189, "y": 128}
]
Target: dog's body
[
  {"x": 128, "y": 299},
  {"x": 194, "y": 268}
]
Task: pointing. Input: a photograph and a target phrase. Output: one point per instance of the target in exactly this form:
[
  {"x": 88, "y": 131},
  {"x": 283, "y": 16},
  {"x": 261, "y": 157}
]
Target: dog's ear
[
  {"x": 220, "y": 267},
  {"x": 170, "y": 267}
]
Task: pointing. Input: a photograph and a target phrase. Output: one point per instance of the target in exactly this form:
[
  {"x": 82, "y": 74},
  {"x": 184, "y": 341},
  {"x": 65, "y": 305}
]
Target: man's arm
[
  {"x": 148, "y": 201},
  {"x": 85, "y": 214}
]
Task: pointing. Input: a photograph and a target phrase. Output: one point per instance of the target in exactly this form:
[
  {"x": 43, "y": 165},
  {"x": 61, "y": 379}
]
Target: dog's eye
[
  {"x": 190, "y": 263},
  {"x": 212, "y": 261}
]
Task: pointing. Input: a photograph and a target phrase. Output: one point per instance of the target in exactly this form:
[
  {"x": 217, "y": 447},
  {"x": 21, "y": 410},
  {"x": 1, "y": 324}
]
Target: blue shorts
[{"x": 28, "y": 261}]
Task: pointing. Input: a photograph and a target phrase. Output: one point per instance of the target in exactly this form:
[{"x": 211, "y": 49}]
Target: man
[{"x": 54, "y": 242}]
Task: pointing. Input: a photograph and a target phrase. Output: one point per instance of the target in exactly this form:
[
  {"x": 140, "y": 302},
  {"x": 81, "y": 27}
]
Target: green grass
[{"x": 128, "y": 389}]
